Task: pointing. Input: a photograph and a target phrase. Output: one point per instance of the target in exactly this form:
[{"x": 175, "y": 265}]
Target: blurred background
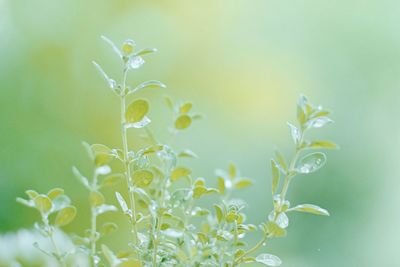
[{"x": 243, "y": 64}]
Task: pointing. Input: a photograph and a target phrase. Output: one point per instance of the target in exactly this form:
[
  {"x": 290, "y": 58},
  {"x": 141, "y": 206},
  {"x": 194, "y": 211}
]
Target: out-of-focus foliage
[{"x": 243, "y": 65}]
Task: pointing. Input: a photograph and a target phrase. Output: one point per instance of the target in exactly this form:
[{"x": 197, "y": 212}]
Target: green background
[{"x": 243, "y": 64}]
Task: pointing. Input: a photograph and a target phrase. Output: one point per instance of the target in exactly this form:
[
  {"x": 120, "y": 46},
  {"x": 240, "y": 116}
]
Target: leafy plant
[{"x": 168, "y": 225}]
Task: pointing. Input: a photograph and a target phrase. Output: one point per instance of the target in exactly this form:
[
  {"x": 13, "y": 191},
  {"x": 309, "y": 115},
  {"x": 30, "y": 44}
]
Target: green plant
[{"x": 168, "y": 227}]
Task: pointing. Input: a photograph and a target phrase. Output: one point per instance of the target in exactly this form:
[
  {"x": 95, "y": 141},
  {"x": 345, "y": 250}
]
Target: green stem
[
  {"x": 253, "y": 249},
  {"x": 126, "y": 160}
]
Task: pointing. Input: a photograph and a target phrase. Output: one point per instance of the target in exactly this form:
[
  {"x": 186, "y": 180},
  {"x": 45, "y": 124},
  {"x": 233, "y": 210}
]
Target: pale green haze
[{"x": 243, "y": 64}]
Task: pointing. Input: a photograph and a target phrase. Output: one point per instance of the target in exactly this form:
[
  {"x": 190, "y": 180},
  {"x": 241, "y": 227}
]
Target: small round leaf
[
  {"x": 65, "y": 216},
  {"x": 183, "y": 122},
  {"x": 136, "y": 111}
]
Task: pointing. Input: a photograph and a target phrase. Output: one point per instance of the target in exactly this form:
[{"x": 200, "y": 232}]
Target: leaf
[
  {"x": 128, "y": 47},
  {"x": 108, "y": 228},
  {"x": 31, "y": 193},
  {"x": 112, "y": 179},
  {"x": 105, "y": 208},
  {"x": 187, "y": 154},
  {"x": 43, "y": 204},
  {"x": 146, "y": 51},
  {"x": 232, "y": 170},
  {"x": 122, "y": 203},
  {"x": 275, "y": 176},
  {"x": 219, "y": 213},
  {"x": 310, "y": 208},
  {"x": 180, "y": 172},
  {"x": 53, "y": 193},
  {"x": 243, "y": 183},
  {"x": 109, "y": 255},
  {"x": 221, "y": 185},
  {"x": 113, "y": 46},
  {"x": 185, "y": 108},
  {"x": 144, "y": 122},
  {"x": 168, "y": 102},
  {"x": 301, "y": 107},
  {"x": 143, "y": 178},
  {"x": 322, "y": 144},
  {"x": 111, "y": 83},
  {"x": 268, "y": 259},
  {"x": 295, "y": 132},
  {"x": 281, "y": 161},
  {"x": 148, "y": 84},
  {"x": 96, "y": 198},
  {"x": 65, "y": 216},
  {"x": 318, "y": 122},
  {"x": 102, "y": 154},
  {"x": 183, "y": 122},
  {"x": 273, "y": 229},
  {"x": 136, "y": 111},
  {"x": 61, "y": 202},
  {"x": 129, "y": 263},
  {"x": 80, "y": 177},
  {"x": 28, "y": 203},
  {"x": 311, "y": 162}
]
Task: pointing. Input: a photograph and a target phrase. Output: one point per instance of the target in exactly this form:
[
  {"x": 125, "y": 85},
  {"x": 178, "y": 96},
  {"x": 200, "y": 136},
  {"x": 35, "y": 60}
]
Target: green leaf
[
  {"x": 318, "y": 122},
  {"x": 31, "y": 194},
  {"x": 275, "y": 176},
  {"x": 122, "y": 203},
  {"x": 148, "y": 84},
  {"x": 113, "y": 46},
  {"x": 311, "y": 162},
  {"x": 187, "y": 154},
  {"x": 28, "y": 203},
  {"x": 102, "y": 154},
  {"x": 232, "y": 170},
  {"x": 243, "y": 183},
  {"x": 281, "y": 161},
  {"x": 221, "y": 185},
  {"x": 53, "y": 193},
  {"x": 143, "y": 178},
  {"x": 109, "y": 255},
  {"x": 43, "y": 204},
  {"x": 301, "y": 107},
  {"x": 185, "y": 108},
  {"x": 322, "y": 144},
  {"x": 112, "y": 179},
  {"x": 219, "y": 213},
  {"x": 295, "y": 132},
  {"x": 310, "y": 208},
  {"x": 80, "y": 177},
  {"x": 268, "y": 259},
  {"x": 180, "y": 172},
  {"x": 183, "y": 122},
  {"x": 65, "y": 216},
  {"x": 128, "y": 47},
  {"x": 96, "y": 198},
  {"x": 169, "y": 103},
  {"x": 273, "y": 229},
  {"x": 129, "y": 263},
  {"x": 136, "y": 111},
  {"x": 146, "y": 51},
  {"x": 108, "y": 228}
]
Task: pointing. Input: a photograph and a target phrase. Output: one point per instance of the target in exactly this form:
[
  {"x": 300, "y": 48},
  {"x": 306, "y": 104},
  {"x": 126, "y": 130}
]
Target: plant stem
[
  {"x": 253, "y": 249},
  {"x": 50, "y": 231},
  {"x": 126, "y": 160},
  {"x": 93, "y": 237}
]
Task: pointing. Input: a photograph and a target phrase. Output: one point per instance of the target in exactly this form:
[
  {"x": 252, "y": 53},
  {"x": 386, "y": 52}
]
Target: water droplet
[{"x": 136, "y": 62}]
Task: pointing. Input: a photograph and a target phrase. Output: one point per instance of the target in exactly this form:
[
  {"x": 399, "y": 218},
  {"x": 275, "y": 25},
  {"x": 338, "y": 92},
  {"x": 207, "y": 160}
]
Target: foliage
[{"x": 169, "y": 227}]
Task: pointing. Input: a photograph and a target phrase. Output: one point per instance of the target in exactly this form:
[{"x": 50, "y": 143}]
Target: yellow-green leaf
[
  {"x": 102, "y": 154},
  {"x": 310, "y": 208},
  {"x": 219, "y": 213},
  {"x": 112, "y": 179},
  {"x": 136, "y": 111},
  {"x": 130, "y": 263},
  {"x": 180, "y": 172},
  {"x": 31, "y": 194},
  {"x": 183, "y": 122},
  {"x": 322, "y": 144},
  {"x": 65, "y": 216},
  {"x": 53, "y": 193},
  {"x": 43, "y": 203},
  {"x": 275, "y": 176},
  {"x": 143, "y": 178},
  {"x": 243, "y": 183},
  {"x": 96, "y": 198},
  {"x": 185, "y": 108},
  {"x": 221, "y": 185}
]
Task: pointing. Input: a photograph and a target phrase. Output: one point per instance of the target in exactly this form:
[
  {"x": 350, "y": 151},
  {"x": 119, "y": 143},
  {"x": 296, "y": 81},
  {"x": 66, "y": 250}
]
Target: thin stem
[
  {"x": 126, "y": 159},
  {"x": 93, "y": 227},
  {"x": 253, "y": 249},
  {"x": 50, "y": 231}
]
